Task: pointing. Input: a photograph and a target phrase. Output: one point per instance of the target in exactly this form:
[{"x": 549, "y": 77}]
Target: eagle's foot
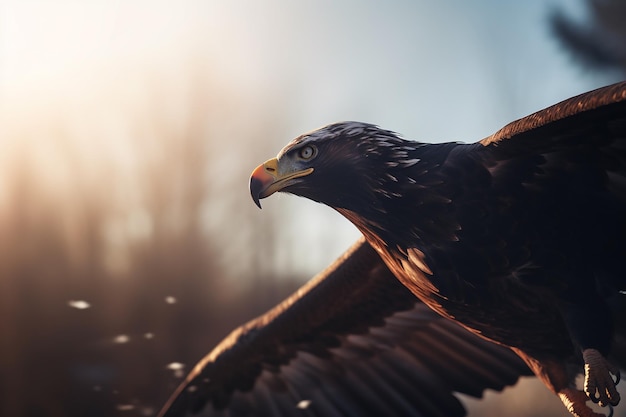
[
  {"x": 574, "y": 400},
  {"x": 601, "y": 377}
]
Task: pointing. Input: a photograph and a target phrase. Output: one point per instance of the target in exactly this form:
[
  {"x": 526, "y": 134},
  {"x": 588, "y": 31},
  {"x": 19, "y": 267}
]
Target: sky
[{"x": 430, "y": 70}]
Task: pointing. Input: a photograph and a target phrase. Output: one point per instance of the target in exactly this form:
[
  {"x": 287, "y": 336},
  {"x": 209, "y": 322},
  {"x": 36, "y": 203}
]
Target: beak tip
[{"x": 255, "y": 190}]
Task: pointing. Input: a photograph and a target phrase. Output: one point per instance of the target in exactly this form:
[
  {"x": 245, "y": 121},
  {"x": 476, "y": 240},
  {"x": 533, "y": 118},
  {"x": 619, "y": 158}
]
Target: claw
[
  {"x": 599, "y": 378},
  {"x": 575, "y": 400}
]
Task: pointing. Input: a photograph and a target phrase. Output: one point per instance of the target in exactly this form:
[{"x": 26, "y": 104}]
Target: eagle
[{"x": 479, "y": 263}]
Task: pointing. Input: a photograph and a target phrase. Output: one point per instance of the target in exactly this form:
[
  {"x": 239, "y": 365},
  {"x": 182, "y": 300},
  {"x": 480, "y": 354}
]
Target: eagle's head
[{"x": 346, "y": 165}]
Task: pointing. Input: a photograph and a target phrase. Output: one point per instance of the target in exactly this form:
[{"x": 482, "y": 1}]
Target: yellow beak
[{"x": 266, "y": 179}]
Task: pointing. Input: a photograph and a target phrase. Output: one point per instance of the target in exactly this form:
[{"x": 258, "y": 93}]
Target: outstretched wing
[
  {"x": 575, "y": 153},
  {"x": 588, "y": 130},
  {"x": 351, "y": 342},
  {"x": 584, "y": 113}
]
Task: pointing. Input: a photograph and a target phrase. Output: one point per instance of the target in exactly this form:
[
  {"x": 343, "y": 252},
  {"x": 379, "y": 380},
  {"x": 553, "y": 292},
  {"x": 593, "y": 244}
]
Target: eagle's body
[
  {"x": 520, "y": 238},
  {"x": 499, "y": 246}
]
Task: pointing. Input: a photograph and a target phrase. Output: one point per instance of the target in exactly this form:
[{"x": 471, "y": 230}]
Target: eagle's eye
[{"x": 307, "y": 152}]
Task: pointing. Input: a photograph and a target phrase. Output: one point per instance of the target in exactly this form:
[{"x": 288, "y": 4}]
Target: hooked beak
[{"x": 266, "y": 179}]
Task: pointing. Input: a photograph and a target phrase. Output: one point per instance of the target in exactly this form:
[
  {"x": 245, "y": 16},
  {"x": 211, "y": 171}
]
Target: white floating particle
[
  {"x": 78, "y": 304},
  {"x": 192, "y": 388},
  {"x": 622, "y": 292},
  {"x": 122, "y": 338},
  {"x": 125, "y": 407},
  {"x": 304, "y": 404},
  {"x": 170, "y": 300},
  {"x": 148, "y": 335},
  {"x": 175, "y": 366}
]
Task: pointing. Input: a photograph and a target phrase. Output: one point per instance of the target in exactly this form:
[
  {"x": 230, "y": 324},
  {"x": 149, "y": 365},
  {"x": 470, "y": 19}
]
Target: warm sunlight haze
[{"x": 128, "y": 130}]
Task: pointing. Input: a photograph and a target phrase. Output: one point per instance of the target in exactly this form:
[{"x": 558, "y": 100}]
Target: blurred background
[{"x": 129, "y": 244}]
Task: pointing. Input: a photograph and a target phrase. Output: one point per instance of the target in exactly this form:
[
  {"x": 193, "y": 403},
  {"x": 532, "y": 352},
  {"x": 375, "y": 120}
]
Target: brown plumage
[{"x": 519, "y": 238}]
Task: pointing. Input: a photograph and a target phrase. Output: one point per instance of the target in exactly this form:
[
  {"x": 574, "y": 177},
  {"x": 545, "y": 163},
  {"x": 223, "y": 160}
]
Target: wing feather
[
  {"x": 352, "y": 342},
  {"x": 587, "y": 131},
  {"x": 611, "y": 98}
]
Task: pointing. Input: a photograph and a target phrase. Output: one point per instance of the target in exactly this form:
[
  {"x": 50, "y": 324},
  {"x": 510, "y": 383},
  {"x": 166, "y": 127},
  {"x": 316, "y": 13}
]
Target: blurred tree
[
  {"x": 600, "y": 42},
  {"x": 122, "y": 229}
]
